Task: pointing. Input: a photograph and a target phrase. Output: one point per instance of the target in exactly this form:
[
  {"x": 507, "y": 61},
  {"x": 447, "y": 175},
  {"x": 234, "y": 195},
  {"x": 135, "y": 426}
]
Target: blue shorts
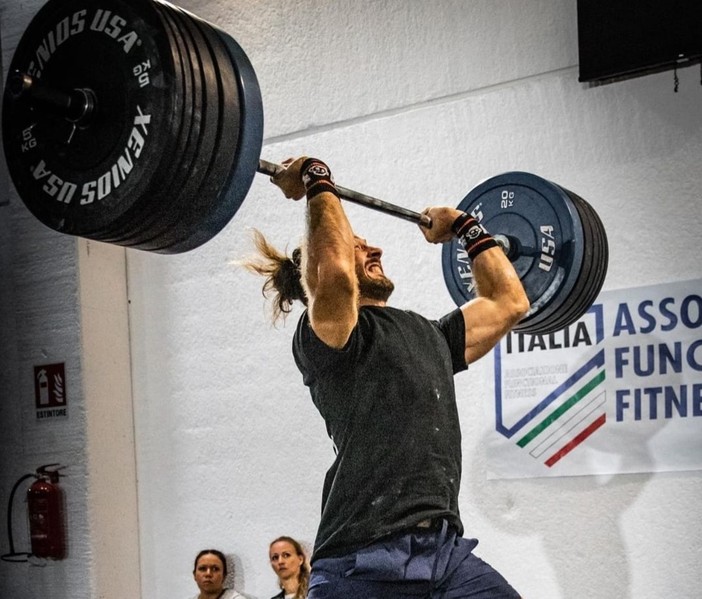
[{"x": 436, "y": 564}]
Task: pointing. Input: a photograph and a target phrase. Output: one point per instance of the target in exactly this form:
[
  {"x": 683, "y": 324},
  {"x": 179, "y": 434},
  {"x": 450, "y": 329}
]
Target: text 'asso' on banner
[{"x": 618, "y": 391}]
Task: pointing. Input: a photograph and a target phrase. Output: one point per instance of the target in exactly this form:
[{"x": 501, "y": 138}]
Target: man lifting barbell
[
  {"x": 84, "y": 149},
  {"x": 382, "y": 378},
  {"x": 84, "y": 141}
]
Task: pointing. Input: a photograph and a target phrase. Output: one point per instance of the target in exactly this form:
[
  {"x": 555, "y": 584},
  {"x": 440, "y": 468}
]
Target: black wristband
[
  {"x": 313, "y": 170},
  {"x": 316, "y": 177},
  {"x": 474, "y": 236},
  {"x": 458, "y": 223}
]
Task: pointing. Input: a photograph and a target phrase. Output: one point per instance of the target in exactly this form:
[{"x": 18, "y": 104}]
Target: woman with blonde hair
[{"x": 290, "y": 565}]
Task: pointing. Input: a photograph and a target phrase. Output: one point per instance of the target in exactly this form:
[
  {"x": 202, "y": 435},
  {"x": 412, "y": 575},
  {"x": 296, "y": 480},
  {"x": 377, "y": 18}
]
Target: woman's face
[
  {"x": 209, "y": 573},
  {"x": 285, "y": 561}
]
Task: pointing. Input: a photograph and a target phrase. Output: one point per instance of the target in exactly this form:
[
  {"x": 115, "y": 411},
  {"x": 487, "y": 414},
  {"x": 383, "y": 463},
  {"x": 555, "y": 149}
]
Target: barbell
[{"x": 137, "y": 123}]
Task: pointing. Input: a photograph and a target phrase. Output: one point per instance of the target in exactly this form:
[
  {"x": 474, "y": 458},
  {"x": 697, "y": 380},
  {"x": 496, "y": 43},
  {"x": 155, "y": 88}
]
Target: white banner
[{"x": 618, "y": 391}]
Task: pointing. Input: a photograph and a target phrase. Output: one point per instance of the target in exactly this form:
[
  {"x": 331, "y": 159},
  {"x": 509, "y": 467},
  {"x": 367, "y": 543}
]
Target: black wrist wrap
[
  {"x": 475, "y": 238},
  {"x": 317, "y": 178}
]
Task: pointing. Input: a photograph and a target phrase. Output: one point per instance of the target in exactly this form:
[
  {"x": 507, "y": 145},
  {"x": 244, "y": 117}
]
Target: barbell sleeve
[
  {"x": 271, "y": 169},
  {"x": 76, "y": 105}
]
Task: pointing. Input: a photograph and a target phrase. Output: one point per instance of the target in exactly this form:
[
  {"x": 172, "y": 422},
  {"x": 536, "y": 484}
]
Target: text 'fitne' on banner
[{"x": 619, "y": 391}]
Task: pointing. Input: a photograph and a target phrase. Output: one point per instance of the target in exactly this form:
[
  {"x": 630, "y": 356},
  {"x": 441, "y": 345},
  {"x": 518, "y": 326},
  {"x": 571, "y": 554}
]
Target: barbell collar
[
  {"x": 513, "y": 247},
  {"x": 507, "y": 246},
  {"x": 271, "y": 169}
]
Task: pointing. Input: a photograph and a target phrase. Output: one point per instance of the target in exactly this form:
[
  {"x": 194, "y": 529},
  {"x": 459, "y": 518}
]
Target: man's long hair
[{"x": 283, "y": 284}]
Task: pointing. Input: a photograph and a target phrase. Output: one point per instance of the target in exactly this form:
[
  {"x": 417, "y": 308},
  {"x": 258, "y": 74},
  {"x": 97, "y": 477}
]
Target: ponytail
[{"x": 283, "y": 273}]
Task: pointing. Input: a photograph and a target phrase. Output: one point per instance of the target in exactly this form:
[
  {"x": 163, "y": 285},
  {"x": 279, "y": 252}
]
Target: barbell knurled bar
[{"x": 271, "y": 169}]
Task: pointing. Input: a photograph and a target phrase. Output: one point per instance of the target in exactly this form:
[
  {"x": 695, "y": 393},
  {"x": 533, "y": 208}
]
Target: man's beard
[{"x": 377, "y": 289}]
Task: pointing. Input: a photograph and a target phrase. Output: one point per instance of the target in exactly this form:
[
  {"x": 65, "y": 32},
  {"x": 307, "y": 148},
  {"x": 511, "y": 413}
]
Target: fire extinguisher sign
[{"x": 50, "y": 391}]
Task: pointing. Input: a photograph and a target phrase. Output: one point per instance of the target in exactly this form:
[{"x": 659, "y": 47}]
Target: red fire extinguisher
[{"x": 45, "y": 504}]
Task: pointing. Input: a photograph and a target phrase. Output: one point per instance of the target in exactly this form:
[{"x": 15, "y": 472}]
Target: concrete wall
[{"x": 413, "y": 102}]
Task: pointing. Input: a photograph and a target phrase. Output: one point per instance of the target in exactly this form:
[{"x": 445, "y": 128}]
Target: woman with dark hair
[
  {"x": 289, "y": 562},
  {"x": 210, "y": 574}
]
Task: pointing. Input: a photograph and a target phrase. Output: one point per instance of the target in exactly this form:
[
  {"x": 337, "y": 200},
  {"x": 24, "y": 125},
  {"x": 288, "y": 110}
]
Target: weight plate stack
[
  {"x": 238, "y": 146},
  {"x": 593, "y": 269},
  {"x": 79, "y": 177},
  {"x": 166, "y": 152},
  {"x": 558, "y": 247}
]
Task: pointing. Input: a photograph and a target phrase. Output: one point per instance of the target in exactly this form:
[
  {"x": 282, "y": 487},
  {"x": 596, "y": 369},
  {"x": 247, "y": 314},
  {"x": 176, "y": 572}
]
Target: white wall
[
  {"x": 64, "y": 301},
  {"x": 413, "y": 102},
  {"x": 39, "y": 289}
]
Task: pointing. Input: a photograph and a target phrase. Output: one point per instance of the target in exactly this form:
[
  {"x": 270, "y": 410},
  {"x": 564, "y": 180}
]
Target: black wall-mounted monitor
[{"x": 619, "y": 39}]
